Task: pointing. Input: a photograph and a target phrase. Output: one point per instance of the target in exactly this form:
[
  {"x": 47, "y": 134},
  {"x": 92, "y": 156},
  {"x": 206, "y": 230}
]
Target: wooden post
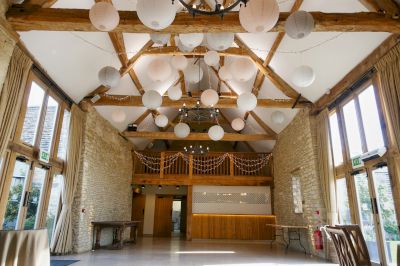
[
  {"x": 190, "y": 167},
  {"x": 189, "y": 212},
  {"x": 162, "y": 158},
  {"x": 231, "y": 166}
]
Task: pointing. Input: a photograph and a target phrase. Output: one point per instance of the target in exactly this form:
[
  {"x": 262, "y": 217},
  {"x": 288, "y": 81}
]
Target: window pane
[
  {"x": 54, "y": 200},
  {"x": 31, "y": 121},
  {"x": 343, "y": 201},
  {"x": 34, "y": 198},
  {"x": 336, "y": 142},
  {"x": 49, "y": 125},
  {"x": 20, "y": 174},
  {"x": 352, "y": 129},
  {"x": 62, "y": 147},
  {"x": 370, "y": 117}
]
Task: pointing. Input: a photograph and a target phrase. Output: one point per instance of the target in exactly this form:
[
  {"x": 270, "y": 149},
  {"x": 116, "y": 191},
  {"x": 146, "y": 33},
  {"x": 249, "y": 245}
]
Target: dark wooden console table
[
  {"x": 118, "y": 232},
  {"x": 294, "y": 232}
]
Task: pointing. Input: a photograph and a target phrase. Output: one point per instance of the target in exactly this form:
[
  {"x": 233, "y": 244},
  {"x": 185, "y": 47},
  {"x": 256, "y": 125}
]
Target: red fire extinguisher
[{"x": 318, "y": 240}]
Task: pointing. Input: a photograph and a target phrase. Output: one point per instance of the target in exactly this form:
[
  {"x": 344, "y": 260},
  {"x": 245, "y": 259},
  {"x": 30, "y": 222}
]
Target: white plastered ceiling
[{"x": 73, "y": 59}]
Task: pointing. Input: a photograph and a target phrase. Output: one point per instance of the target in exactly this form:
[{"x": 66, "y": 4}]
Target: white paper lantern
[
  {"x": 160, "y": 38},
  {"x": 152, "y": 99},
  {"x": 191, "y": 40},
  {"x": 181, "y": 47},
  {"x": 193, "y": 74},
  {"x": 219, "y": 41},
  {"x": 303, "y": 76},
  {"x": 216, "y": 132},
  {"x": 104, "y": 16},
  {"x": 209, "y": 97},
  {"x": 118, "y": 116},
  {"x": 299, "y": 24},
  {"x": 161, "y": 120},
  {"x": 109, "y": 76},
  {"x": 242, "y": 69},
  {"x": 211, "y": 58},
  {"x": 156, "y": 14},
  {"x": 159, "y": 70},
  {"x": 224, "y": 73},
  {"x": 181, "y": 130},
  {"x": 179, "y": 62},
  {"x": 174, "y": 93},
  {"x": 237, "y": 124},
  {"x": 259, "y": 15},
  {"x": 278, "y": 117},
  {"x": 247, "y": 101}
]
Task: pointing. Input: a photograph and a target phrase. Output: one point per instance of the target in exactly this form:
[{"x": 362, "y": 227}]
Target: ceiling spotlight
[
  {"x": 159, "y": 187},
  {"x": 143, "y": 186},
  {"x": 178, "y": 187}
]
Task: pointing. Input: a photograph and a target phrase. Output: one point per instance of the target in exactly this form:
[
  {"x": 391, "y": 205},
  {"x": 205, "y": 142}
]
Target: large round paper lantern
[
  {"x": 211, "y": 58},
  {"x": 156, "y": 14},
  {"x": 193, "y": 74},
  {"x": 303, "y": 76},
  {"x": 247, "y": 101},
  {"x": 109, "y": 76},
  {"x": 118, "y": 116},
  {"x": 159, "y": 70},
  {"x": 182, "y": 47},
  {"x": 160, "y": 38},
  {"x": 299, "y": 24},
  {"x": 278, "y": 117},
  {"x": 219, "y": 41},
  {"x": 161, "y": 120},
  {"x": 259, "y": 15},
  {"x": 104, "y": 16},
  {"x": 179, "y": 62},
  {"x": 209, "y": 97},
  {"x": 152, "y": 99},
  {"x": 174, "y": 93},
  {"x": 237, "y": 124},
  {"x": 216, "y": 132},
  {"x": 181, "y": 130},
  {"x": 191, "y": 40},
  {"x": 224, "y": 73},
  {"x": 242, "y": 69}
]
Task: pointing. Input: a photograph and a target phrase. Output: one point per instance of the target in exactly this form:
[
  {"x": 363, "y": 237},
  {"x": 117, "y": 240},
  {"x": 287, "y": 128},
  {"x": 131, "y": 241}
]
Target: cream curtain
[
  {"x": 61, "y": 242},
  {"x": 325, "y": 165}
]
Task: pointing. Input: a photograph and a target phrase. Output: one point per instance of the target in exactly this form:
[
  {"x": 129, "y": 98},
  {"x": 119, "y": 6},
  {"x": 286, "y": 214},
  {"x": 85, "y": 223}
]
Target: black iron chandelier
[
  {"x": 196, "y": 149},
  {"x": 198, "y": 114},
  {"x": 203, "y": 8}
]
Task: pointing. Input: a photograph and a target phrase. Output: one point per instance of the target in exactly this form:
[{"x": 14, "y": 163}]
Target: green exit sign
[
  {"x": 44, "y": 156},
  {"x": 357, "y": 162}
]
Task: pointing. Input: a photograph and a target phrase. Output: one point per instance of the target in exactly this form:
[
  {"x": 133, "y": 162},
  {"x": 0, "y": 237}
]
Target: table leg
[
  {"x": 121, "y": 236},
  {"x": 93, "y": 238},
  {"x": 136, "y": 233}
]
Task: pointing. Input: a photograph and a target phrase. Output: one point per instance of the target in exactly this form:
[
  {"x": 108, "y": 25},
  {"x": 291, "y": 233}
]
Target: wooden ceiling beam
[
  {"x": 117, "y": 40},
  {"x": 389, "y": 7},
  {"x": 371, "y": 5},
  {"x": 25, "y": 18},
  {"x": 142, "y": 117},
  {"x": 195, "y": 136},
  {"x": 263, "y": 125}
]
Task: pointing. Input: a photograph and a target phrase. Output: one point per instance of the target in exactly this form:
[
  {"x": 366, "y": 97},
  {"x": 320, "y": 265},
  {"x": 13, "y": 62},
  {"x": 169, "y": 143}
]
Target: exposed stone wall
[
  {"x": 6, "y": 49},
  {"x": 104, "y": 190},
  {"x": 296, "y": 149}
]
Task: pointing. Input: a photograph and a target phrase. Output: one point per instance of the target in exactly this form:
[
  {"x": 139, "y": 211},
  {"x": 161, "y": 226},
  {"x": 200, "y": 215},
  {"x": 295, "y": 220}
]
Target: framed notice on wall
[{"x": 297, "y": 197}]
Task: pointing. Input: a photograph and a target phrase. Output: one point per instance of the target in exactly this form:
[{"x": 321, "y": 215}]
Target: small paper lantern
[
  {"x": 224, "y": 73},
  {"x": 182, "y": 47},
  {"x": 259, "y": 15},
  {"x": 181, "y": 130},
  {"x": 118, "y": 116},
  {"x": 303, "y": 76},
  {"x": 179, "y": 62},
  {"x": 211, "y": 58},
  {"x": 219, "y": 41},
  {"x": 156, "y": 14},
  {"x": 237, "y": 124},
  {"x": 152, "y": 99},
  {"x": 209, "y": 97},
  {"x": 191, "y": 40},
  {"x": 159, "y": 70},
  {"x": 278, "y": 117},
  {"x": 160, "y": 38},
  {"x": 193, "y": 74},
  {"x": 109, "y": 76},
  {"x": 104, "y": 16},
  {"x": 242, "y": 69},
  {"x": 174, "y": 93},
  {"x": 299, "y": 24},
  {"x": 161, "y": 120},
  {"x": 216, "y": 132},
  {"x": 247, "y": 101}
]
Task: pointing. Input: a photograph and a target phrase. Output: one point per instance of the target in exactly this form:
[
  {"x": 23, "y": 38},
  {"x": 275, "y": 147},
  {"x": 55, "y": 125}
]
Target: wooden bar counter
[{"x": 227, "y": 226}]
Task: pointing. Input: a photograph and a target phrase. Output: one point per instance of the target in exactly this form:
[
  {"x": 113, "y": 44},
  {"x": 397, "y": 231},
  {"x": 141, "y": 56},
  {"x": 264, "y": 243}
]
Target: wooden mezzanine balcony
[{"x": 215, "y": 168}]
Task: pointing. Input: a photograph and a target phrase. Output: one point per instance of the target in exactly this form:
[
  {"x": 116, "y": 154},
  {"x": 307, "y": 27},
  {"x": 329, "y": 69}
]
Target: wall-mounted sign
[
  {"x": 357, "y": 162},
  {"x": 44, "y": 156}
]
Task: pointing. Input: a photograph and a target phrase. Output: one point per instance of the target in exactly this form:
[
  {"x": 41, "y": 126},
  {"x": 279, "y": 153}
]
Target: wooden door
[
  {"x": 138, "y": 205},
  {"x": 163, "y": 216}
]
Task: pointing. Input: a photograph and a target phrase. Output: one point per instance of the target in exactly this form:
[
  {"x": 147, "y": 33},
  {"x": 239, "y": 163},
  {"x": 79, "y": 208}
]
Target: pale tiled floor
[{"x": 155, "y": 252}]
